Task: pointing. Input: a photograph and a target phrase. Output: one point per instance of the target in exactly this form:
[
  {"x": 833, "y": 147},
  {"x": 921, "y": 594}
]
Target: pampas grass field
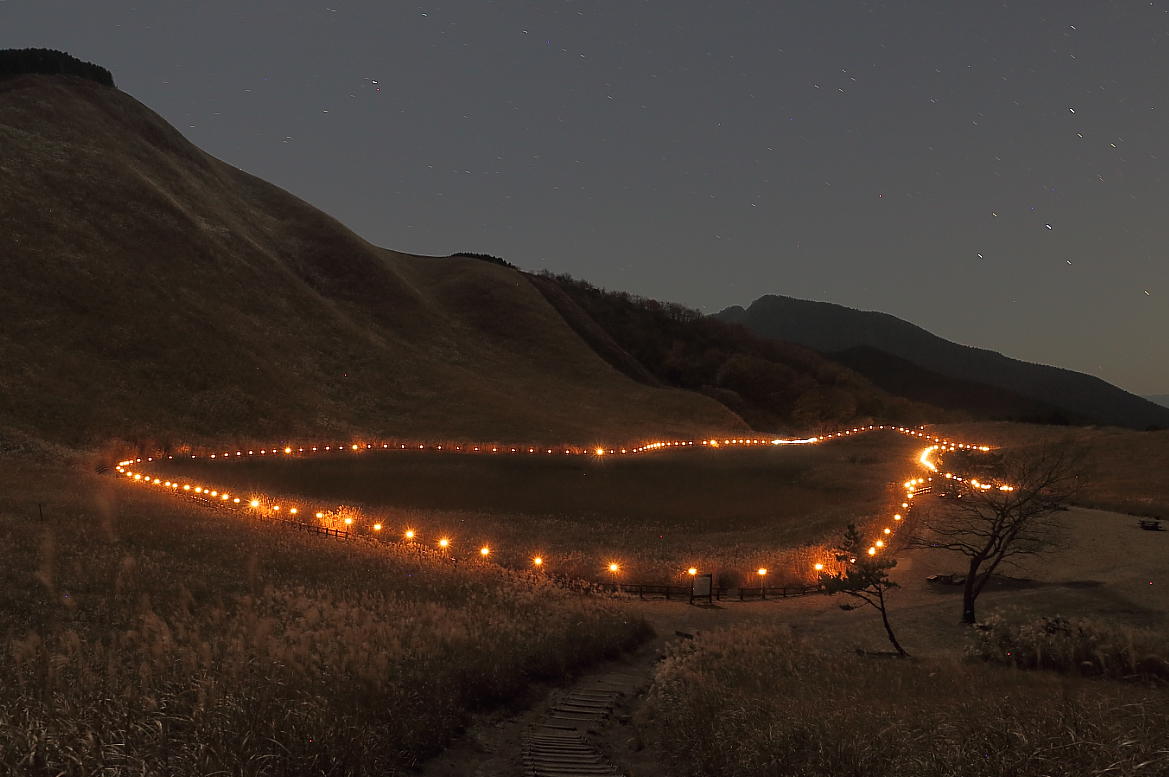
[
  {"x": 1126, "y": 471},
  {"x": 144, "y": 635},
  {"x": 758, "y": 702}
]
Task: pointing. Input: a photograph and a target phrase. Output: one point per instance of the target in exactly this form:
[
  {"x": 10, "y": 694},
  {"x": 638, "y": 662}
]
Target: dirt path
[
  {"x": 495, "y": 745},
  {"x": 1110, "y": 569}
]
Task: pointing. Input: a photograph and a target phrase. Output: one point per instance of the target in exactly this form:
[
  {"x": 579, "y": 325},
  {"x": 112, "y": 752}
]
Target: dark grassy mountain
[
  {"x": 831, "y": 328},
  {"x": 978, "y": 401},
  {"x": 773, "y": 385},
  {"x": 152, "y": 292}
]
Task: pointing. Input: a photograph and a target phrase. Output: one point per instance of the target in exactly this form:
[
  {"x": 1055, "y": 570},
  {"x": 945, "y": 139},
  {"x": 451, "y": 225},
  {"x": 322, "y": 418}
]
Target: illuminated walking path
[{"x": 262, "y": 506}]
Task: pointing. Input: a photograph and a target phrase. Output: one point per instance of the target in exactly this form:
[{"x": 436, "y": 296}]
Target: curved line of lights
[{"x": 269, "y": 507}]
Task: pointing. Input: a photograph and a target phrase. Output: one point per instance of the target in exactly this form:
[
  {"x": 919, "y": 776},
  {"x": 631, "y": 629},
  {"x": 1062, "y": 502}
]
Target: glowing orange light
[
  {"x": 614, "y": 567},
  {"x": 537, "y": 561},
  {"x": 377, "y": 527},
  {"x": 293, "y": 511},
  {"x": 288, "y": 450},
  {"x": 762, "y": 571},
  {"x": 409, "y": 534},
  {"x": 872, "y": 551},
  {"x": 600, "y": 451},
  {"x": 348, "y": 521},
  {"x": 692, "y": 571},
  {"x": 818, "y": 567},
  {"x": 255, "y": 502},
  {"x": 484, "y": 551},
  {"x": 444, "y": 543}
]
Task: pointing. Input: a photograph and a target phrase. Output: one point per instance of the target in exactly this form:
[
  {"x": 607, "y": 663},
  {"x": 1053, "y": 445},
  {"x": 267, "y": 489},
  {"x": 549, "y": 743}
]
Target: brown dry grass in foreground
[
  {"x": 757, "y": 702},
  {"x": 729, "y": 511},
  {"x": 1126, "y": 472},
  {"x": 146, "y": 636}
]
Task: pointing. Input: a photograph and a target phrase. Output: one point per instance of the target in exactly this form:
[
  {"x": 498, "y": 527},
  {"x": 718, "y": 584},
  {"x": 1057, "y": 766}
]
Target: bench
[
  {"x": 951, "y": 579},
  {"x": 1150, "y": 525}
]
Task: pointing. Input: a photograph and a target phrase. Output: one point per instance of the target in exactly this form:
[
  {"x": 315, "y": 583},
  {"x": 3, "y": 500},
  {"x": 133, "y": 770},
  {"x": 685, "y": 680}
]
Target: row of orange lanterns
[
  {"x": 444, "y": 543},
  {"x": 496, "y": 448}
]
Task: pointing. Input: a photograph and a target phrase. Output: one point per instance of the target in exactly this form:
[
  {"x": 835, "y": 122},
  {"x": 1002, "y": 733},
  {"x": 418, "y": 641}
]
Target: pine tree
[{"x": 865, "y": 577}]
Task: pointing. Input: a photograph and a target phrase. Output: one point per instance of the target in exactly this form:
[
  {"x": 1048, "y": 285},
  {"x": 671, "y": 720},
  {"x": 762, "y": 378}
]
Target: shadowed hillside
[
  {"x": 153, "y": 292},
  {"x": 1159, "y": 399},
  {"x": 828, "y": 328},
  {"x": 774, "y": 386},
  {"x": 978, "y": 401}
]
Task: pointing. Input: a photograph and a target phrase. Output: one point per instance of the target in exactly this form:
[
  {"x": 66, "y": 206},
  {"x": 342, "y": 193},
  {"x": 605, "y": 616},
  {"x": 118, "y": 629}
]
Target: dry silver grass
[
  {"x": 758, "y": 702},
  {"x": 1072, "y": 646},
  {"x": 147, "y": 637}
]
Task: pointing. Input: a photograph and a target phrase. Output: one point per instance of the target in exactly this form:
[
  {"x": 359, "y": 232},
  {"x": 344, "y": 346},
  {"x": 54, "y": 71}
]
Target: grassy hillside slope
[
  {"x": 828, "y": 328},
  {"x": 152, "y": 292}
]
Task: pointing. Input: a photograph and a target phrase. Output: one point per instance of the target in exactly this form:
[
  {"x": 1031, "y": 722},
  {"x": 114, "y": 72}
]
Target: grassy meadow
[
  {"x": 756, "y": 701},
  {"x": 146, "y": 635},
  {"x": 730, "y": 510},
  {"x": 1034, "y": 693},
  {"x": 1126, "y": 469}
]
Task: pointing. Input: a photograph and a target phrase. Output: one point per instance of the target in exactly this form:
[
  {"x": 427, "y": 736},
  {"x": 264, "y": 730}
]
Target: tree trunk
[
  {"x": 968, "y": 593},
  {"x": 889, "y": 629}
]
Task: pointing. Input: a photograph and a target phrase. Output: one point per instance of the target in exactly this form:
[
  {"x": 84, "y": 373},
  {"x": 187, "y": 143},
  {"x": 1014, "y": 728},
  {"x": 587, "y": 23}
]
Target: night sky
[{"x": 993, "y": 172}]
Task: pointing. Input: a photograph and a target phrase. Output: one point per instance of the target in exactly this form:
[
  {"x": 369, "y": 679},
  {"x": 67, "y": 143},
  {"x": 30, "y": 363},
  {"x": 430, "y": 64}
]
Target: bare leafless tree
[{"x": 1010, "y": 506}]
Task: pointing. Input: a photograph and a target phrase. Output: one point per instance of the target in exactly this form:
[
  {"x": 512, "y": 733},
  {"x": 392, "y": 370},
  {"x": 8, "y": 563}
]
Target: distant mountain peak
[{"x": 831, "y": 328}]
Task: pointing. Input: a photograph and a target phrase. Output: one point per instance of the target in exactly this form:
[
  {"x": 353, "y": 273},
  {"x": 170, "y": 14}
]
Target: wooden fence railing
[
  {"x": 643, "y": 590},
  {"x": 341, "y": 534},
  {"x": 781, "y": 591}
]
